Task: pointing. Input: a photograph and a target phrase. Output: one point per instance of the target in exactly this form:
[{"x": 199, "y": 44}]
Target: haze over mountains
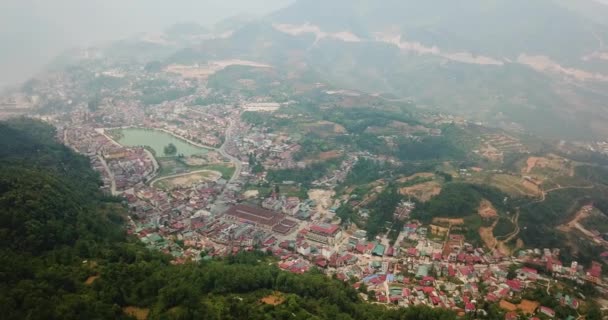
[
  {"x": 32, "y": 32},
  {"x": 539, "y": 65},
  {"x": 536, "y": 65}
]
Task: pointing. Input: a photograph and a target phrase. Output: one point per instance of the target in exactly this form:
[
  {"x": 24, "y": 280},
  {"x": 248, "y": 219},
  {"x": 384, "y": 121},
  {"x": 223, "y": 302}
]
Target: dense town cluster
[
  {"x": 214, "y": 214},
  {"x": 414, "y": 270}
]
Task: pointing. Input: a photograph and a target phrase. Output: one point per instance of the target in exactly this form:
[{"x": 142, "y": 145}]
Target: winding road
[
  {"x": 110, "y": 174},
  {"x": 222, "y": 150},
  {"x": 509, "y": 237}
]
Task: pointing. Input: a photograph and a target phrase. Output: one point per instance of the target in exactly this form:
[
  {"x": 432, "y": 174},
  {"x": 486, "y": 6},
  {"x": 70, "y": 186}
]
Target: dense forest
[
  {"x": 458, "y": 200},
  {"x": 58, "y": 231}
]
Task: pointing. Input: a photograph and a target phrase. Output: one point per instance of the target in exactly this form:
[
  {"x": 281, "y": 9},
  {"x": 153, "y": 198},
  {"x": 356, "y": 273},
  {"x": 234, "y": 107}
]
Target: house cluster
[
  {"x": 548, "y": 261},
  {"x": 129, "y": 166},
  {"x": 204, "y": 127},
  {"x": 317, "y": 251},
  {"x": 335, "y": 177},
  {"x": 120, "y": 167},
  {"x": 272, "y": 150},
  {"x": 291, "y": 206}
]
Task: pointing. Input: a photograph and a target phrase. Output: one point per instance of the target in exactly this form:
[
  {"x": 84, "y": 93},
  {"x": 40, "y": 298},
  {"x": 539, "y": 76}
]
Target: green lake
[{"x": 157, "y": 140}]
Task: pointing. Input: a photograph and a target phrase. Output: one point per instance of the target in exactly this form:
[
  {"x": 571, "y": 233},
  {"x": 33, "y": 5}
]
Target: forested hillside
[{"x": 65, "y": 255}]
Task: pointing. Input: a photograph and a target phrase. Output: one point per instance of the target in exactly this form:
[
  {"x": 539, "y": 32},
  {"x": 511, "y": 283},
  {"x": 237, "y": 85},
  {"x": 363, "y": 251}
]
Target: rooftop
[
  {"x": 325, "y": 228},
  {"x": 255, "y": 215}
]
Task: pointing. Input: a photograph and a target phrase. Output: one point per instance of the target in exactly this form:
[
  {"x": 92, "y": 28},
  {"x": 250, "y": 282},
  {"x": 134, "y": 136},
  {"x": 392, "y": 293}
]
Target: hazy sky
[{"x": 34, "y": 31}]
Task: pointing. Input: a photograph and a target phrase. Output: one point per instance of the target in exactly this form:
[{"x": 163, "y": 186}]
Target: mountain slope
[
  {"x": 497, "y": 28},
  {"x": 536, "y": 65}
]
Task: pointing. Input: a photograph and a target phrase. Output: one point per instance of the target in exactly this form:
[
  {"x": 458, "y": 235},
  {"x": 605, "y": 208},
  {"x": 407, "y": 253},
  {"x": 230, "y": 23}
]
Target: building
[
  {"x": 256, "y": 216},
  {"x": 324, "y": 233}
]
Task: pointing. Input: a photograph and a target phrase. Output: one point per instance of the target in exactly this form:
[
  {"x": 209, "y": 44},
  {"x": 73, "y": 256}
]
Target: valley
[{"x": 374, "y": 165}]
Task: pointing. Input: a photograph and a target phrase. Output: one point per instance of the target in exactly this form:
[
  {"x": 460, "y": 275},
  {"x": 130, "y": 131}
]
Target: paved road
[
  {"x": 222, "y": 150},
  {"x": 112, "y": 179}
]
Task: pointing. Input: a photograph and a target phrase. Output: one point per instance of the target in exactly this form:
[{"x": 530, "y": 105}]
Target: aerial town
[
  {"x": 305, "y": 159},
  {"x": 197, "y": 206}
]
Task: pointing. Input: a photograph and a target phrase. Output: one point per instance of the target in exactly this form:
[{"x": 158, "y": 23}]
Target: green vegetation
[
  {"x": 364, "y": 171},
  {"x": 382, "y": 210},
  {"x": 503, "y": 227},
  {"x": 458, "y": 200},
  {"x": 304, "y": 176},
  {"x": 170, "y": 150},
  {"x": 428, "y": 148},
  {"x": 416, "y": 180},
  {"x": 357, "y": 120},
  {"x": 346, "y": 214},
  {"x": 158, "y": 91},
  {"x": 255, "y": 118},
  {"x": 152, "y": 97},
  {"x": 311, "y": 145},
  {"x": 592, "y": 173},
  {"x": 57, "y": 230},
  {"x": 538, "y": 220},
  {"x": 596, "y": 221}
]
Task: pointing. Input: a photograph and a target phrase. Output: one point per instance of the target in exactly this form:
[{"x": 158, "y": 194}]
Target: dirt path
[
  {"x": 583, "y": 213},
  {"x": 515, "y": 232},
  {"x": 501, "y": 245},
  {"x": 487, "y": 235},
  {"x": 545, "y": 192}
]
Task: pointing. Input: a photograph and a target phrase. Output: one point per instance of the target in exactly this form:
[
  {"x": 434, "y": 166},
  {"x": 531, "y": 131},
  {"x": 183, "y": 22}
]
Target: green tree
[{"x": 170, "y": 149}]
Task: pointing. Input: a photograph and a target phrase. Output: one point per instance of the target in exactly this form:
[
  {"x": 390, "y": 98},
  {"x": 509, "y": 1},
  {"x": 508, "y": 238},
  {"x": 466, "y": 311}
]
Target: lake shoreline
[{"x": 156, "y": 139}]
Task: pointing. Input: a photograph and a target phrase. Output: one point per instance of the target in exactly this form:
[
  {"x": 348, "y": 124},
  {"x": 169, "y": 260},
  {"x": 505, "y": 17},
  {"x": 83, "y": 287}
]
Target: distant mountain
[
  {"x": 501, "y": 29},
  {"x": 539, "y": 65}
]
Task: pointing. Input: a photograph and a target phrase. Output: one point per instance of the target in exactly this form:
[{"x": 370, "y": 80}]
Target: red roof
[
  {"x": 325, "y": 229},
  {"x": 255, "y": 215},
  {"x": 596, "y": 270},
  {"x": 491, "y": 297},
  {"x": 514, "y": 284},
  {"x": 547, "y": 311},
  {"x": 360, "y": 248},
  {"x": 451, "y": 271}
]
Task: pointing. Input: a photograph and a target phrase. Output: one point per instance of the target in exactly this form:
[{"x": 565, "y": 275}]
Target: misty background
[{"x": 32, "y": 32}]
